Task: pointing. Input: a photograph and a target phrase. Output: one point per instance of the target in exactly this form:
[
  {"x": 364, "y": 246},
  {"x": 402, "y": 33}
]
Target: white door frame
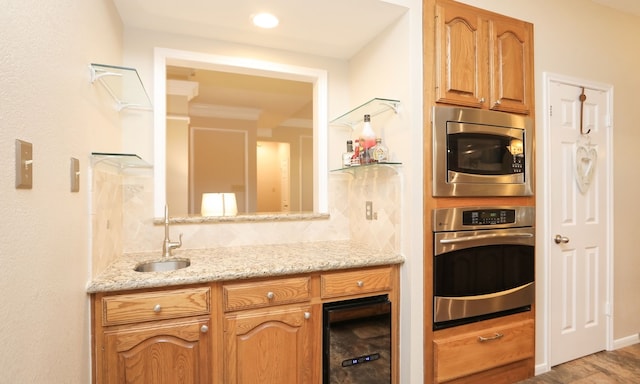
[{"x": 543, "y": 239}]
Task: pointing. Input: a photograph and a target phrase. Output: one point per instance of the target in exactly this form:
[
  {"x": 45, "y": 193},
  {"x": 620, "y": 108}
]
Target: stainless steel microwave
[{"x": 481, "y": 153}]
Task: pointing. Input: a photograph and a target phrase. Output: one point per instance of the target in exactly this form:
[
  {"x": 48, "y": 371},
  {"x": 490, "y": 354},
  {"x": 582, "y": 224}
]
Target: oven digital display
[{"x": 489, "y": 217}]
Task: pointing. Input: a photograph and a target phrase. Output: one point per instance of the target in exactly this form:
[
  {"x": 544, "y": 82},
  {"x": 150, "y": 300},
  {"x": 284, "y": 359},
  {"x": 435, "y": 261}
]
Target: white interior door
[{"x": 579, "y": 220}]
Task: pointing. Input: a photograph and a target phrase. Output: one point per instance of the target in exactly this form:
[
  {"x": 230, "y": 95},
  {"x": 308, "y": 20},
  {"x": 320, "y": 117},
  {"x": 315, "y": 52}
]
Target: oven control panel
[
  {"x": 482, "y": 218},
  {"x": 488, "y": 217}
]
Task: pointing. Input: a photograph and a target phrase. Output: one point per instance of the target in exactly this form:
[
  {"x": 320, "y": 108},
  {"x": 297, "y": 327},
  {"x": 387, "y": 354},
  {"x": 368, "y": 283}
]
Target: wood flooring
[{"x": 621, "y": 366}]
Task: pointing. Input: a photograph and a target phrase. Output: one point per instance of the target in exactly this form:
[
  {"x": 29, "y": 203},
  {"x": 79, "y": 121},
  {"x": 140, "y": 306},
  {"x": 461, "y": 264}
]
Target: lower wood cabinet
[
  {"x": 174, "y": 352},
  {"x": 275, "y": 345},
  {"x": 160, "y": 337},
  {"x": 494, "y": 351},
  {"x": 256, "y": 331}
]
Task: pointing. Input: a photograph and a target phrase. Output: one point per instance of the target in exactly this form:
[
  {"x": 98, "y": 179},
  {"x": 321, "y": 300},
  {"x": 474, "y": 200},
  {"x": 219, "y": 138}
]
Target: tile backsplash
[
  {"x": 123, "y": 221},
  {"x": 106, "y": 216}
]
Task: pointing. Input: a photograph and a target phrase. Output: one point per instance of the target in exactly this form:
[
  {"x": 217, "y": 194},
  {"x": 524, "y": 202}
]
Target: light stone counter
[{"x": 231, "y": 263}]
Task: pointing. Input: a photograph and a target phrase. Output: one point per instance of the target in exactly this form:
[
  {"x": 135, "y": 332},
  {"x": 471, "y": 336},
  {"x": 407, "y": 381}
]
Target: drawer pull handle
[
  {"x": 204, "y": 329},
  {"x": 157, "y": 308},
  {"x": 307, "y": 315},
  {"x": 360, "y": 283},
  {"x": 270, "y": 295},
  {"x": 494, "y": 337}
]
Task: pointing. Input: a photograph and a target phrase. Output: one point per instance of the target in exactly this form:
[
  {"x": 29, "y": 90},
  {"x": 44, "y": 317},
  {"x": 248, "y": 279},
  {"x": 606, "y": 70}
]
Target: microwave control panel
[
  {"x": 517, "y": 166},
  {"x": 488, "y": 217}
]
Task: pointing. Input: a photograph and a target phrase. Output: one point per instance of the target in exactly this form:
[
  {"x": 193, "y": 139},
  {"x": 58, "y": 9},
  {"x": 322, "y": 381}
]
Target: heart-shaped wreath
[{"x": 586, "y": 160}]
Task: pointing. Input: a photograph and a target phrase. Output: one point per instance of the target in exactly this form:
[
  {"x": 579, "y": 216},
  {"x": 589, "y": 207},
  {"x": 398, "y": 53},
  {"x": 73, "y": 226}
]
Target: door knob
[{"x": 561, "y": 239}]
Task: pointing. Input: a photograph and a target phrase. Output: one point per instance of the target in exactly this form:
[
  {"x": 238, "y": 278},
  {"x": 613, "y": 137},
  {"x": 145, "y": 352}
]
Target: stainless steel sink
[{"x": 162, "y": 265}]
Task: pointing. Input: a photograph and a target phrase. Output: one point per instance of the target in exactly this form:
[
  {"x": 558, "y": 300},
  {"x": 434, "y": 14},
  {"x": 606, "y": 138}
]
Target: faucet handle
[{"x": 169, "y": 245}]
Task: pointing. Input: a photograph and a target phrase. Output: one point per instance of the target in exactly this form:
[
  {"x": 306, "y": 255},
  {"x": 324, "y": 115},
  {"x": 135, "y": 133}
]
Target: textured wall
[{"x": 46, "y": 98}]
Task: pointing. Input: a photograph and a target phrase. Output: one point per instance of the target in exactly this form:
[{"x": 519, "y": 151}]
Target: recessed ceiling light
[{"x": 265, "y": 20}]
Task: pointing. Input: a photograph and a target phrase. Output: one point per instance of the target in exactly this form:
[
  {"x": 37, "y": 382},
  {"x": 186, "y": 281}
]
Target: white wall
[
  {"x": 47, "y": 99},
  {"x": 582, "y": 39},
  {"x": 390, "y": 67}
]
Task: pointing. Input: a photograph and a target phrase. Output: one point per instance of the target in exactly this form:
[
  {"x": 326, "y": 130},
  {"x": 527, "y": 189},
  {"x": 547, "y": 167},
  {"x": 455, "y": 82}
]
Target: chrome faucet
[{"x": 168, "y": 245}]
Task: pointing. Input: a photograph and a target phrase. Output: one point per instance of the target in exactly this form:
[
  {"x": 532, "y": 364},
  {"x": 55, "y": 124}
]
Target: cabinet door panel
[
  {"x": 511, "y": 40},
  {"x": 269, "y": 346},
  {"x": 167, "y": 354},
  {"x": 461, "y": 57},
  {"x": 477, "y": 351}
]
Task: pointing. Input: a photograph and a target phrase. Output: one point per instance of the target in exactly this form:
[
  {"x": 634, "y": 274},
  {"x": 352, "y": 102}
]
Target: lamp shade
[{"x": 219, "y": 204}]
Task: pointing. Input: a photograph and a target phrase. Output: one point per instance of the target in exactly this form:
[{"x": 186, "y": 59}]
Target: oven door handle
[{"x": 486, "y": 236}]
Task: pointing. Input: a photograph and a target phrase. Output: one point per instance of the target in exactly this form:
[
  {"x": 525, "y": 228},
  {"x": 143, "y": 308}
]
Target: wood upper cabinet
[
  {"x": 161, "y": 337},
  {"x": 483, "y": 60},
  {"x": 511, "y": 65},
  {"x": 461, "y": 56}
]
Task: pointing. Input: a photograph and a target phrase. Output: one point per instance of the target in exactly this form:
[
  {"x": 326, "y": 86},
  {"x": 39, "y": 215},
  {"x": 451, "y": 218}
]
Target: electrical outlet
[
  {"x": 24, "y": 165},
  {"x": 368, "y": 210}
]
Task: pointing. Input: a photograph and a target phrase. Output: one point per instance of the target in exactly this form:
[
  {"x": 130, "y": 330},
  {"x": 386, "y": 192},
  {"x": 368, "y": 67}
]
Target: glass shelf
[
  {"x": 372, "y": 107},
  {"x": 123, "y": 84},
  {"x": 120, "y": 160},
  {"x": 356, "y": 168}
]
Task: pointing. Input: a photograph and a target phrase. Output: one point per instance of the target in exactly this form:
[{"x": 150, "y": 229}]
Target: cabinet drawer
[
  {"x": 265, "y": 293},
  {"x": 147, "y": 306},
  {"x": 473, "y": 352},
  {"x": 355, "y": 282}
]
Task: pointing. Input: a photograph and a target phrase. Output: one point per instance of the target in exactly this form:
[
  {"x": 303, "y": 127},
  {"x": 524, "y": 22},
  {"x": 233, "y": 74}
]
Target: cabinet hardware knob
[
  {"x": 496, "y": 336},
  {"x": 360, "y": 283},
  {"x": 204, "y": 329},
  {"x": 498, "y": 102},
  {"x": 481, "y": 100},
  {"x": 157, "y": 308},
  {"x": 307, "y": 315},
  {"x": 270, "y": 295}
]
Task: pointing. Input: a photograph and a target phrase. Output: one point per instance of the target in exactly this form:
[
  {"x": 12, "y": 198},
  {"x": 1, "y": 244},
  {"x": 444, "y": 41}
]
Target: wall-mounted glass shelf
[
  {"x": 372, "y": 166},
  {"x": 119, "y": 160},
  {"x": 123, "y": 84},
  {"x": 372, "y": 107}
]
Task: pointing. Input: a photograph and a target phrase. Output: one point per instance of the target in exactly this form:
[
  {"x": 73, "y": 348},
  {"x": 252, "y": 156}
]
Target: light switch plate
[
  {"x": 24, "y": 165},
  {"x": 75, "y": 174}
]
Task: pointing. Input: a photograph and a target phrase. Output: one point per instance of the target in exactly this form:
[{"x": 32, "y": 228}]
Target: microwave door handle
[{"x": 483, "y": 237}]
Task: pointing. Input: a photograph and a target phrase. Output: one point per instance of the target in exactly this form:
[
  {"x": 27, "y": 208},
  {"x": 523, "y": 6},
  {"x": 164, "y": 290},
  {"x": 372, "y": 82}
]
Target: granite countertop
[{"x": 242, "y": 262}]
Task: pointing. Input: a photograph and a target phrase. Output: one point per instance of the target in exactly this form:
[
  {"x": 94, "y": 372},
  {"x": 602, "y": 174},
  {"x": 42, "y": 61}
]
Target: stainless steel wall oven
[
  {"x": 481, "y": 153},
  {"x": 483, "y": 263}
]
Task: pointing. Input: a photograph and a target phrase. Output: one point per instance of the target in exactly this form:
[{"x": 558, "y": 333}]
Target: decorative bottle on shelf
[
  {"x": 367, "y": 140},
  {"x": 355, "y": 159},
  {"x": 380, "y": 152},
  {"x": 346, "y": 157}
]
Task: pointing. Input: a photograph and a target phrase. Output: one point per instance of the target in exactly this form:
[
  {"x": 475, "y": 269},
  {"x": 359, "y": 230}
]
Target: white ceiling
[{"x": 332, "y": 28}]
